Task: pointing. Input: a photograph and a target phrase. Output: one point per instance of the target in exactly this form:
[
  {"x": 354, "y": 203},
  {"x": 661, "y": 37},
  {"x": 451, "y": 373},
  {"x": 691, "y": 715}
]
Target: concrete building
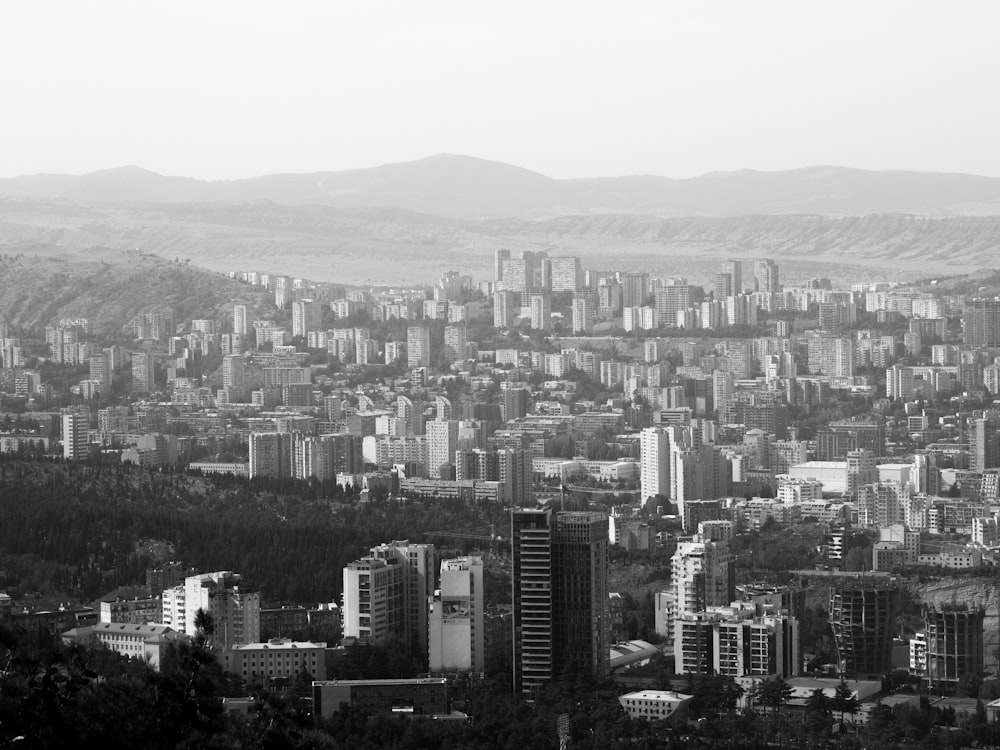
[
  {"x": 703, "y": 574},
  {"x": 385, "y": 595},
  {"x": 505, "y": 309},
  {"x": 584, "y": 312},
  {"x": 75, "y": 436},
  {"x": 132, "y": 611},
  {"x": 954, "y": 646},
  {"x": 143, "y": 381},
  {"x": 260, "y": 663},
  {"x": 738, "y": 640},
  {"x": 654, "y": 463},
  {"x": 307, "y": 316},
  {"x": 240, "y": 322},
  {"x": 147, "y": 643},
  {"x": 541, "y": 312},
  {"x": 456, "y": 627},
  {"x": 766, "y": 276},
  {"x": 271, "y": 454},
  {"x": 862, "y": 618},
  {"x": 418, "y": 346},
  {"x": 423, "y": 696},
  {"x": 656, "y": 705},
  {"x": 233, "y": 605},
  {"x": 442, "y": 441}
]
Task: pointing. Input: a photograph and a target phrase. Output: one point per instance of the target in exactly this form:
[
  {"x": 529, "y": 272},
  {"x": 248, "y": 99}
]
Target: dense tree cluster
[{"x": 90, "y": 518}]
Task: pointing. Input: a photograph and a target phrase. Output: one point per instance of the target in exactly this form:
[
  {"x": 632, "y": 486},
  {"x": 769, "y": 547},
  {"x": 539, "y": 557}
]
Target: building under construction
[
  {"x": 862, "y": 617},
  {"x": 954, "y": 638}
]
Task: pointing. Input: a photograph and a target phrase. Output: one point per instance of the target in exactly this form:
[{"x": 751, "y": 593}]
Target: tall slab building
[{"x": 560, "y": 594}]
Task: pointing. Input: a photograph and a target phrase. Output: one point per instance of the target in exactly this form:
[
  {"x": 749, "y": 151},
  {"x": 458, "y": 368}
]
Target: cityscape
[
  {"x": 760, "y": 500},
  {"x": 522, "y": 376}
]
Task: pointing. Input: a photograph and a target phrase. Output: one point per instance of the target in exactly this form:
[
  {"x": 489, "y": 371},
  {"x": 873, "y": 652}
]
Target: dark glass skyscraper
[{"x": 560, "y": 594}]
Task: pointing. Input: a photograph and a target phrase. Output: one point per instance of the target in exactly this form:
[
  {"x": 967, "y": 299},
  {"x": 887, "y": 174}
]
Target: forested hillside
[{"x": 292, "y": 540}]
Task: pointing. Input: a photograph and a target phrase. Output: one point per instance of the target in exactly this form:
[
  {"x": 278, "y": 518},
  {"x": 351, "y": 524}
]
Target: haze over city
[{"x": 232, "y": 90}]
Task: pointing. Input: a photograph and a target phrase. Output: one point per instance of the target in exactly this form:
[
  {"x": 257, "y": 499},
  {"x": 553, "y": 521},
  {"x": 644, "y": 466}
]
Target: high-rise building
[
  {"x": 442, "y": 441},
  {"x": 100, "y": 369},
  {"x": 671, "y": 300},
  {"x": 515, "y": 403},
  {"x": 698, "y": 472},
  {"x": 584, "y": 312},
  {"x": 880, "y": 504},
  {"x": 766, "y": 276},
  {"x": 240, "y": 325},
  {"x": 75, "y": 438},
  {"x": 233, "y": 372},
  {"x": 385, "y": 595},
  {"x": 232, "y": 604},
  {"x": 560, "y": 591},
  {"x": 454, "y": 343},
  {"x": 142, "y": 372},
  {"x": 409, "y": 416},
  {"x": 837, "y": 439},
  {"x": 457, "y": 635},
  {"x": 564, "y": 274},
  {"x": 704, "y": 575},
  {"x": 418, "y": 346},
  {"x": 154, "y": 325},
  {"x": 505, "y": 309},
  {"x": 500, "y": 257},
  {"x": 861, "y": 470},
  {"x": 954, "y": 638},
  {"x": 282, "y": 292},
  {"x": 443, "y": 409},
  {"x": 313, "y": 457},
  {"x": 270, "y": 454},
  {"x": 541, "y": 312},
  {"x": 981, "y": 323},
  {"x": 984, "y": 444},
  {"x": 654, "y": 463},
  {"x": 723, "y": 290},
  {"x": 734, "y": 270},
  {"x": 307, "y": 315},
  {"x": 862, "y": 618},
  {"x": 514, "y": 468},
  {"x": 516, "y": 275},
  {"x": 738, "y": 640},
  {"x": 635, "y": 289}
]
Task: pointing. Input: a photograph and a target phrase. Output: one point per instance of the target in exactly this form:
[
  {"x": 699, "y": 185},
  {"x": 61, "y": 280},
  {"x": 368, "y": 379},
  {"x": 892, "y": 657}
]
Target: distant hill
[
  {"x": 109, "y": 293},
  {"x": 360, "y": 246},
  {"x": 463, "y": 187}
]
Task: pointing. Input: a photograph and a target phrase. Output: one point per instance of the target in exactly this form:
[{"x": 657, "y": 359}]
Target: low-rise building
[
  {"x": 132, "y": 611},
  {"x": 259, "y": 663},
  {"x": 655, "y": 705},
  {"x": 148, "y": 643},
  {"x": 424, "y": 696}
]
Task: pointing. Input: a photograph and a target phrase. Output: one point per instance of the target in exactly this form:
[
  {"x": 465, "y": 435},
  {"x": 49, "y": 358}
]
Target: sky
[{"x": 224, "y": 90}]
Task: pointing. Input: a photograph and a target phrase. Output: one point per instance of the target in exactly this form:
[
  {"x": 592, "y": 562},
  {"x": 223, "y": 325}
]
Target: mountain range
[{"x": 463, "y": 187}]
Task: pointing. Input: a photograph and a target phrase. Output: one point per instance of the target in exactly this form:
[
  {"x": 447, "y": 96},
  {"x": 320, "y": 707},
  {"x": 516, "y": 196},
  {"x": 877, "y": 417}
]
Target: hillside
[
  {"x": 37, "y": 291},
  {"x": 394, "y": 245},
  {"x": 464, "y": 187}
]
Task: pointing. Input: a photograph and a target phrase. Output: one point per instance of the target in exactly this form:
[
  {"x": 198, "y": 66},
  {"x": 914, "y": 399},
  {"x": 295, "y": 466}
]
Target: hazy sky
[{"x": 234, "y": 89}]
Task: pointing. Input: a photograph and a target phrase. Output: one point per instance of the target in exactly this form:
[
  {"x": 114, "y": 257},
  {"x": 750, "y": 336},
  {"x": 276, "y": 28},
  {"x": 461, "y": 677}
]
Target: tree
[
  {"x": 204, "y": 625},
  {"x": 771, "y": 693},
  {"x": 844, "y": 701},
  {"x": 818, "y": 713},
  {"x": 857, "y": 559}
]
